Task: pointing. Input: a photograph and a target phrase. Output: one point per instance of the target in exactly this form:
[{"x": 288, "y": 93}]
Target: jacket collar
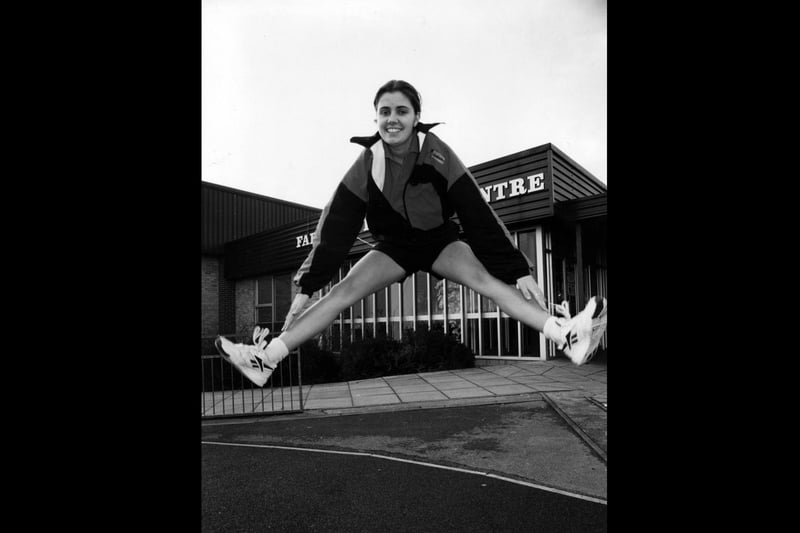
[
  {"x": 366, "y": 142},
  {"x": 374, "y": 145}
]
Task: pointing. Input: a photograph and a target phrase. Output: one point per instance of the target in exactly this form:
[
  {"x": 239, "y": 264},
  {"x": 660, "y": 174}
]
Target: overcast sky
[{"x": 286, "y": 83}]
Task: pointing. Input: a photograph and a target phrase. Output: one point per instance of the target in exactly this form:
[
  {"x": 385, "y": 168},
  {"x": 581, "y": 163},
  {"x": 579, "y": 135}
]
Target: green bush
[
  {"x": 370, "y": 358},
  {"x": 433, "y": 350},
  {"x": 318, "y": 365},
  {"x": 420, "y": 351}
]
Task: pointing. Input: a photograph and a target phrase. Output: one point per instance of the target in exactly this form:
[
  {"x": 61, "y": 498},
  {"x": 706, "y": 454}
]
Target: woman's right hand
[{"x": 294, "y": 311}]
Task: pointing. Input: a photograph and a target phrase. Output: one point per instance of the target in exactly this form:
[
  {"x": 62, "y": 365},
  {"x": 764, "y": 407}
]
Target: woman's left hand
[
  {"x": 530, "y": 289},
  {"x": 295, "y": 310}
]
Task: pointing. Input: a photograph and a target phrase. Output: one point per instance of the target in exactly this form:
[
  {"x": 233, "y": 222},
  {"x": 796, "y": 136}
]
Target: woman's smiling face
[{"x": 396, "y": 119}]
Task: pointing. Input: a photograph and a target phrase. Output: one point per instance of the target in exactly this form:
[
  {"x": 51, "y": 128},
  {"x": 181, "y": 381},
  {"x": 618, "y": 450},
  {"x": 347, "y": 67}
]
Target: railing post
[{"x": 300, "y": 376}]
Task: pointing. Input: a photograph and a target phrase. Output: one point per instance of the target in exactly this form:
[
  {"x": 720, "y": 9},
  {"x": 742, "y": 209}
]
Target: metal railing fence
[{"x": 226, "y": 393}]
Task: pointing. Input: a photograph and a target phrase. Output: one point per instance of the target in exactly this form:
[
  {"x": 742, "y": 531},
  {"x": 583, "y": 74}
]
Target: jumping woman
[{"x": 408, "y": 184}]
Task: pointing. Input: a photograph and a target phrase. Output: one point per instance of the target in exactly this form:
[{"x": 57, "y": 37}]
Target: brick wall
[
  {"x": 227, "y": 303},
  {"x": 209, "y": 296},
  {"x": 245, "y": 305}
]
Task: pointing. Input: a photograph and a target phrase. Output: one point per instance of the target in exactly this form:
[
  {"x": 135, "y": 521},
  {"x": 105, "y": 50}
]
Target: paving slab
[
  {"x": 424, "y": 387},
  {"x": 367, "y": 384},
  {"x": 544, "y": 387},
  {"x": 440, "y": 373},
  {"x": 467, "y": 372},
  {"x": 331, "y": 403},
  {"x": 472, "y": 392},
  {"x": 505, "y": 370},
  {"x": 404, "y": 377},
  {"x": 371, "y": 392},
  {"x": 322, "y": 395},
  {"x": 484, "y": 382},
  {"x": 407, "y": 383},
  {"x": 375, "y": 400},
  {"x": 421, "y": 396},
  {"x": 509, "y": 389},
  {"x": 532, "y": 379},
  {"x": 445, "y": 382},
  {"x": 331, "y": 386},
  {"x": 450, "y": 385}
]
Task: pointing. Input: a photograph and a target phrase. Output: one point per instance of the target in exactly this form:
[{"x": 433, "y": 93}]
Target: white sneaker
[
  {"x": 580, "y": 341},
  {"x": 249, "y": 359},
  {"x": 598, "y": 328},
  {"x": 563, "y": 309}
]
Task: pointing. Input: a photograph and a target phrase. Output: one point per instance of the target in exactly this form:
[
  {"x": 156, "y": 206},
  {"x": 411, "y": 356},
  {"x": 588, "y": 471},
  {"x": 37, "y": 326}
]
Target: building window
[
  {"x": 369, "y": 307},
  {"x": 526, "y": 242},
  {"x": 530, "y": 342},
  {"x": 380, "y": 304},
  {"x": 394, "y": 300},
  {"x": 283, "y": 300},
  {"x": 489, "y": 336},
  {"x": 407, "y": 305},
  {"x": 396, "y": 307},
  {"x": 264, "y": 302},
  {"x": 509, "y": 343},
  {"x": 421, "y": 290},
  {"x": 529, "y": 337},
  {"x": 437, "y": 297},
  {"x": 273, "y": 300},
  {"x": 345, "y": 269}
]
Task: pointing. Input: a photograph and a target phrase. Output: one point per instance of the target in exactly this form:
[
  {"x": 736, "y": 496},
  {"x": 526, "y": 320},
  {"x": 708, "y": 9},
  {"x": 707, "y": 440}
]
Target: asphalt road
[
  {"x": 249, "y": 487},
  {"x": 262, "y": 489}
]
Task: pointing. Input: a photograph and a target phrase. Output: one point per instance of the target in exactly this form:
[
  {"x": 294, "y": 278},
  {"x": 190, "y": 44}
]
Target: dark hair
[{"x": 400, "y": 86}]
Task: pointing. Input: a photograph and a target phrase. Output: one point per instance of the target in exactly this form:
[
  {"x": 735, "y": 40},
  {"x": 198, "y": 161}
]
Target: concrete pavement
[{"x": 577, "y": 393}]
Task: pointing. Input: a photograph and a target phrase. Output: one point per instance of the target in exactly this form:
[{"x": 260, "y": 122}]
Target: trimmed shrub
[
  {"x": 435, "y": 350},
  {"x": 318, "y": 365},
  {"x": 420, "y": 351},
  {"x": 371, "y": 358}
]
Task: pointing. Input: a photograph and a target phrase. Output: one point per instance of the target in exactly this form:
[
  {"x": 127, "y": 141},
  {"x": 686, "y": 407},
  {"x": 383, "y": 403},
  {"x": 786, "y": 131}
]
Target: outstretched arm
[{"x": 337, "y": 229}]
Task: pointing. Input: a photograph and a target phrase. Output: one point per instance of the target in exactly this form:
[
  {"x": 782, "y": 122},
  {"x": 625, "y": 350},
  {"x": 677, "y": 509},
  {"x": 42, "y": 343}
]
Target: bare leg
[
  {"x": 372, "y": 272},
  {"x": 458, "y": 263}
]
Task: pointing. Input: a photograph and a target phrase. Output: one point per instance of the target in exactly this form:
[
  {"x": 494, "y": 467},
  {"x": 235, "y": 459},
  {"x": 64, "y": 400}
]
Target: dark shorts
[{"x": 419, "y": 250}]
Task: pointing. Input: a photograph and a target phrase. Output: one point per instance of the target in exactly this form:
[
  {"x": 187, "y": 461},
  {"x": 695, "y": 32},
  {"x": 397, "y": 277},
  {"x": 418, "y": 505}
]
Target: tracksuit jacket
[{"x": 417, "y": 211}]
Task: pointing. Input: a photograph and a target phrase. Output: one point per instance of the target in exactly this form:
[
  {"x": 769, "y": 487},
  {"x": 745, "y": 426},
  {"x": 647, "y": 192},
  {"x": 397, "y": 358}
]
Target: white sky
[{"x": 286, "y": 83}]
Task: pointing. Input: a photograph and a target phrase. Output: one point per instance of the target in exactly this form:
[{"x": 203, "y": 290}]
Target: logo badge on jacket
[{"x": 436, "y": 156}]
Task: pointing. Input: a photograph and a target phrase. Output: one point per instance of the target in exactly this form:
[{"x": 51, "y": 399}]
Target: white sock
[
  {"x": 552, "y": 331},
  {"x": 277, "y": 350}
]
